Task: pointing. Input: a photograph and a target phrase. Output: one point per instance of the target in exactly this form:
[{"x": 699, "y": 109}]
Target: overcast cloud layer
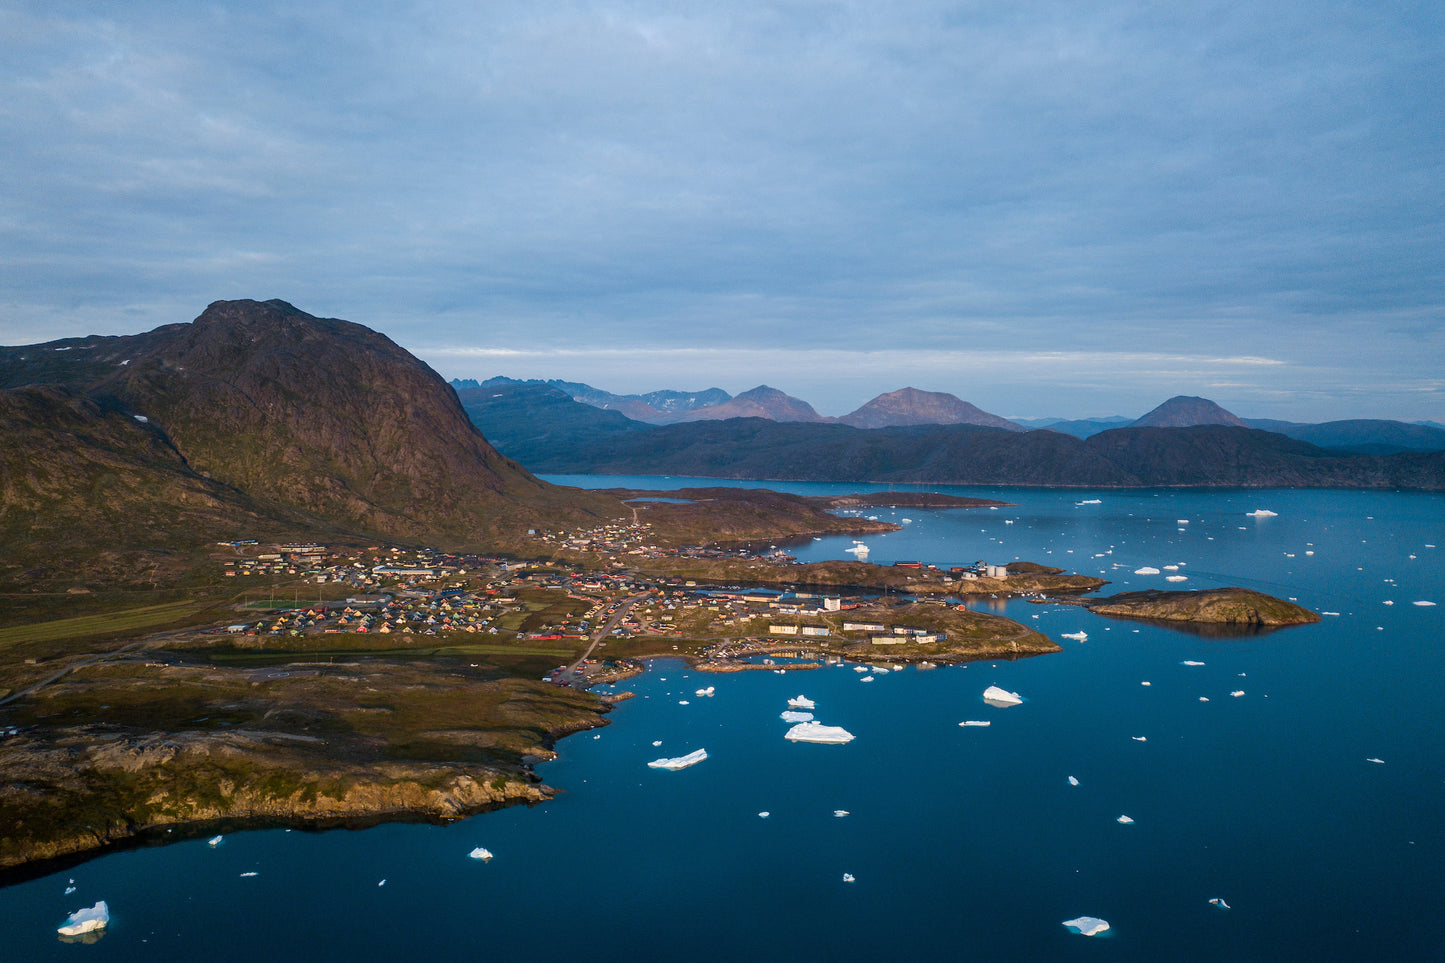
[{"x": 1046, "y": 208}]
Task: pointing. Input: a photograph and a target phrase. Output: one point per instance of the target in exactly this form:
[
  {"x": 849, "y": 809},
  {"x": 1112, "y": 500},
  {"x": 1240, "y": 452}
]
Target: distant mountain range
[
  {"x": 254, "y": 420},
  {"x": 548, "y": 431},
  {"x": 910, "y": 406}
]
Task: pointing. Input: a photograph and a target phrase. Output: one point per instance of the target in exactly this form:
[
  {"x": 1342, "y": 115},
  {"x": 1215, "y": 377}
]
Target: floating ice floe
[
  {"x": 480, "y": 853},
  {"x": 657, "y": 742},
  {"x": 709, "y": 692},
  {"x": 253, "y": 873},
  {"x": 840, "y": 813},
  {"x": 1425, "y": 604},
  {"x": 1221, "y": 904},
  {"x": 1176, "y": 578},
  {"x": 1090, "y": 501},
  {"x": 71, "y": 888},
  {"x": 764, "y": 814},
  {"x": 1079, "y": 636},
  {"x": 1073, "y": 781},
  {"x": 1087, "y": 925},
  {"x": 1002, "y": 698},
  {"x": 382, "y": 883},
  {"x": 86, "y": 920},
  {"x": 849, "y": 878},
  {"x": 1140, "y": 738},
  {"x": 1389, "y": 602},
  {"x": 1181, "y": 521},
  {"x": 1330, "y": 613},
  {"x": 680, "y": 762},
  {"x": 1238, "y": 693},
  {"x": 803, "y": 702},
  {"x": 1261, "y": 513},
  {"x": 860, "y": 668},
  {"x": 683, "y": 702},
  {"x": 1378, "y": 762},
  {"x": 1190, "y": 662},
  {"x": 1146, "y": 683},
  {"x": 1204, "y": 698},
  {"x": 866, "y": 678},
  {"x": 1171, "y": 568},
  {"x": 975, "y": 722},
  {"x": 817, "y": 732},
  {"x": 214, "y": 841},
  {"x": 1146, "y": 570},
  {"x": 791, "y": 716},
  {"x": 1124, "y": 821}
]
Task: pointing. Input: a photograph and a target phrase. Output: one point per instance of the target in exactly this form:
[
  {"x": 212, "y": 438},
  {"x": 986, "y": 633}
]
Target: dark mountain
[
  {"x": 273, "y": 415},
  {"x": 909, "y": 406},
  {"x": 759, "y": 402},
  {"x": 669, "y": 400},
  {"x": 1364, "y": 436},
  {"x": 529, "y": 420},
  {"x": 1185, "y": 411}
]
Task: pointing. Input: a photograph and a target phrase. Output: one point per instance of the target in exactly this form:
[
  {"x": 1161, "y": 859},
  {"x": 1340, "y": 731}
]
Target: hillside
[
  {"x": 256, "y": 415},
  {"x": 759, "y": 402},
  {"x": 1184, "y": 411}
]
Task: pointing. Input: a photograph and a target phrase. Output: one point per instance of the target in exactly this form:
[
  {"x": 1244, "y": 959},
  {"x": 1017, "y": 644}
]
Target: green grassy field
[{"x": 103, "y": 625}]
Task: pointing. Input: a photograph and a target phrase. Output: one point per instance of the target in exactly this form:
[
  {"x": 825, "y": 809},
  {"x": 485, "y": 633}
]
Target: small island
[{"x": 1220, "y": 606}]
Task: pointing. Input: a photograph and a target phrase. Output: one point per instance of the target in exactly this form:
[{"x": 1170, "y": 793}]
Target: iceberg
[
  {"x": 709, "y": 692},
  {"x": 1204, "y": 698},
  {"x": 683, "y": 702},
  {"x": 803, "y": 702},
  {"x": 866, "y": 678},
  {"x": 1001, "y": 698},
  {"x": 1424, "y": 604},
  {"x": 1238, "y": 693},
  {"x": 1219, "y": 903},
  {"x": 975, "y": 722},
  {"x": 848, "y": 877},
  {"x": 680, "y": 762},
  {"x": 1124, "y": 821},
  {"x": 657, "y": 742},
  {"x": 1073, "y": 781},
  {"x": 860, "y": 668},
  {"x": 1146, "y": 683},
  {"x": 1379, "y": 762},
  {"x": 1190, "y": 662},
  {"x": 840, "y": 813},
  {"x": 214, "y": 841},
  {"x": 817, "y": 732},
  {"x": 1079, "y": 636},
  {"x": 1146, "y": 570},
  {"x": 1261, "y": 513},
  {"x": 1090, "y": 501},
  {"x": 764, "y": 814},
  {"x": 86, "y": 920},
  {"x": 1087, "y": 925},
  {"x": 1176, "y": 578},
  {"x": 791, "y": 716},
  {"x": 480, "y": 853},
  {"x": 244, "y": 875},
  {"x": 1140, "y": 738}
]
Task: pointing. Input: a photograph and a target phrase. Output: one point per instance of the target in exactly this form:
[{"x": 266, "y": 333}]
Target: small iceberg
[
  {"x": 1146, "y": 570},
  {"x": 848, "y": 877},
  {"x": 1238, "y": 693},
  {"x": 764, "y": 814},
  {"x": 680, "y": 762},
  {"x": 866, "y": 678},
  {"x": 253, "y": 873},
  {"x": 1073, "y": 781},
  {"x": 975, "y": 722},
  {"x": 840, "y": 813},
  {"x": 708, "y": 692},
  {"x": 382, "y": 883},
  {"x": 1087, "y": 925},
  {"x": 1261, "y": 513},
  {"x": 817, "y": 732},
  {"x": 683, "y": 702},
  {"x": 803, "y": 702},
  {"x": 1090, "y": 501},
  {"x": 480, "y": 853},
  {"x": 1176, "y": 578},
  {"x": 1181, "y": 521},
  {"x": 1190, "y": 662},
  {"x": 1424, "y": 604},
  {"x": 1378, "y": 762},
  {"x": 791, "y": 716},
  {"x": 86, "y": 920},
  {"x": 1124, "y": 821},
  {"x": 1221, "y": 904},
  {"x": 1146, "y": 683},
  {"x": 1140, "y": 738},
  {"x": 214, "y": 841},
  {"x": 657, "y": 742},
  {"x": 1001, "y": 698},
  {"x": 1204, "y": 698},
  {"x": 1079, "y": 636},
  {"x": 860, "y": 668}
]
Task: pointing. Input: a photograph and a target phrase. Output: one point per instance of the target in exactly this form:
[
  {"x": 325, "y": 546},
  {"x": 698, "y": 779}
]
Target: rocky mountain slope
[
  {"x": 1185, "y": 411},
  {"x": 909, "y": 406}
]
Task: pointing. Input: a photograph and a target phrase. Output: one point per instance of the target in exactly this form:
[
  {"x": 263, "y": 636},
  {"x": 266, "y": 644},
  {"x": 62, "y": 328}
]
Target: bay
[{"x": 963, "y": 841}]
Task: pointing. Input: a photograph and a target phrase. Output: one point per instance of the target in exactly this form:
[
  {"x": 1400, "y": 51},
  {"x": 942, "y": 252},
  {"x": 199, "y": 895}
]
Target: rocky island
[{"x": 1220, "y": 606}]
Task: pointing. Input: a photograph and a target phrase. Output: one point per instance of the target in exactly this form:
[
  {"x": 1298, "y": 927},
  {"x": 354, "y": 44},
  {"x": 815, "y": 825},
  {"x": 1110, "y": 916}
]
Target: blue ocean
[{"x": 1297, "y": 776}]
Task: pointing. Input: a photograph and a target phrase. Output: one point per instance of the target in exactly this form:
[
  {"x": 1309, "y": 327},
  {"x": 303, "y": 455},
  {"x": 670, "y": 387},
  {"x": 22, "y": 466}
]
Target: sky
[{"x": 1045, "y": 207}]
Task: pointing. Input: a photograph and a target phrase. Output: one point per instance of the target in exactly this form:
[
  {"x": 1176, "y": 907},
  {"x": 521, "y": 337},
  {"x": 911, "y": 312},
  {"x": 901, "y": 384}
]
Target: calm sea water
[{"x": 964, "y": 842}]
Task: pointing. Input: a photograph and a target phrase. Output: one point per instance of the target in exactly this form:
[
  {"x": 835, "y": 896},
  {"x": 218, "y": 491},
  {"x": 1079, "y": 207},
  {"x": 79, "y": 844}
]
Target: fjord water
[{"x": 964, "y": 842}]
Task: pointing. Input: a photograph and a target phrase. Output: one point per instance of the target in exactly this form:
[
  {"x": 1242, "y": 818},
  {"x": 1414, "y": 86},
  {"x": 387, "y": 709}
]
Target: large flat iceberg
[
  {"x": 803, "y": 702},
  {"x": 1262, "y": 513},
  {"x": 995, "y": 696},
  {"x": 1146, "y": 570},
  {"x": 680, "y": 762},
  {"x": 1087, "y": 925},
  {"x": 791, "y": 716},
  {"x": 86, "y": 920},
  {"x": 817, "y": 732}
]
